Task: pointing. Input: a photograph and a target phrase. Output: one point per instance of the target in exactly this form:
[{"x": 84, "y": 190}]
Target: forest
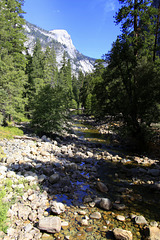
[
  {"x": 58, "y": 184},
  {"x": 125, "y": 83}
]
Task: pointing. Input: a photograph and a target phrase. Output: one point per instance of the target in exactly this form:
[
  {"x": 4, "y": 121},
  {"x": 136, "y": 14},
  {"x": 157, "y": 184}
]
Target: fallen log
[{"x": 27, "y": 138}]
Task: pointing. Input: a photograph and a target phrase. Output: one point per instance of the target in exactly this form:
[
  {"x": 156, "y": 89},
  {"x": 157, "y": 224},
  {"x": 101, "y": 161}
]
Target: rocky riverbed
[{"x": 71, "y": 188}]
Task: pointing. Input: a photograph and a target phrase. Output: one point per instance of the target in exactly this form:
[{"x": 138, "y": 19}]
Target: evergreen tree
[
  {"x": 37, "y": 67},
  {"x": 137, "y": 19},
  {"x": 65, "y": 74},
  {"x": 35, "y": 73},
  {"x": 65, "y": 79},
  {"x": 131, "y": 78},
  {"x": 50, "y": 66},
  {"x": 75, "y": 90},
  {"x": 86, "y": 92},
  {"x": 12, "y": 60},
  {"x": 49, "y": 109}
]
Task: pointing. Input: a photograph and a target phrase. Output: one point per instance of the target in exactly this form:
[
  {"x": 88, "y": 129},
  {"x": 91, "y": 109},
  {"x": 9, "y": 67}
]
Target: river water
[{"x": 128, "y": 184}]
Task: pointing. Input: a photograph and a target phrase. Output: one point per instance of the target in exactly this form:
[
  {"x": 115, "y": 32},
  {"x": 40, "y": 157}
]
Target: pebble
[
  {"x": 120, "y": 218},
  {"x": 82, "y": 212},
  {"x": 84, "y": 222},
  {"x": 95, "y": 215}
]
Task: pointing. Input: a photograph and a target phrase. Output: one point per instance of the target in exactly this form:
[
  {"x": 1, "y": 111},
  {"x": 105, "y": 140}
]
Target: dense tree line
[
  {"x": 129, "y": 87},
  {"x": 32, "y": 86},
  {"x": 125, "y": 83}
]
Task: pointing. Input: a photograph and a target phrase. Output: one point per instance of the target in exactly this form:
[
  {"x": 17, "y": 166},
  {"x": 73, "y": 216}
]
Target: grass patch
[{"x": 10, "y": 132}]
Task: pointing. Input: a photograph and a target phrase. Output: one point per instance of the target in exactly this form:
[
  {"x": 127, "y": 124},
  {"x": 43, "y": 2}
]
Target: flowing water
[{"x": 138, "y": 198}]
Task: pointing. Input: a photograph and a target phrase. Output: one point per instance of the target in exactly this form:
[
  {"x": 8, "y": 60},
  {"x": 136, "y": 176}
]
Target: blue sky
[{"x": 89, "y": 22}]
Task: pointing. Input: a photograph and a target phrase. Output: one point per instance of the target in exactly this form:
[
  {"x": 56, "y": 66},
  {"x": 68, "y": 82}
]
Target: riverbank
[{"x": 72, "y": 188}]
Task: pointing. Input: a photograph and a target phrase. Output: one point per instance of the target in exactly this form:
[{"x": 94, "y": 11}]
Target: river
[{"x": 130, "y": 184}]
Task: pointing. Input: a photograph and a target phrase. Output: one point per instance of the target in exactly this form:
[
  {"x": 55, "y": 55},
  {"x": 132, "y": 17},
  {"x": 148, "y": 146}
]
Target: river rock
[
  {"x": 82, "y": 212},
  {"x": 89, "y": 154},
  {"x": 23, "y": 212},
  {"x": 119, "y": 206},
  {"x": 28, "y": 227},
  {"x": 50, "y": 224},
  {"x": 64, "y": 224},
  {"x": 84, "y": 222},
  {"x": 154, "y": 224},
  {"x": 33, "y": 216},
  {"x": 140, "y": 220},
  {"x": 105, "y": 204},
  {"x": 152, "y": 233},
  {"x": 120, "y": 218},
  {"x": 95, "y": 215},
  {"x": 57, "y": 207},
  {"x": 54, "y": 178},
  {"x": 121, "y": 234},
  {"x": 102, "y": 187}
]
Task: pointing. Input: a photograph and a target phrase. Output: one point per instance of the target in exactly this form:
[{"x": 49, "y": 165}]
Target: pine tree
[
  {"x": 137, "y": 19},
  {"x": 12, "y": 59},
  {"x": 37, "y": 69},
  {"x": 65, "y": 79},
  {"x": 50, "y": 67},
  {"x": 49, "y": 109},
  {"x": 133, "y": 79},
  {"x": 65, "y": 74}
]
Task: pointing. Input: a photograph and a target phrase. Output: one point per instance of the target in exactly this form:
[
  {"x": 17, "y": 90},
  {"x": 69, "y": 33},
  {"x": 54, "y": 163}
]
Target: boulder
[
  {"x": 50, "y": 224},
  {"x": 105, "y": 204},
  {"x": 152, "y": 233},
  {"x": 121, "y": 234}
]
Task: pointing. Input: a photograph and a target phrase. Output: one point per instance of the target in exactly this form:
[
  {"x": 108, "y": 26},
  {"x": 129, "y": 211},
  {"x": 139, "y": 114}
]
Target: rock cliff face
[{"x": 62, "y": 42}]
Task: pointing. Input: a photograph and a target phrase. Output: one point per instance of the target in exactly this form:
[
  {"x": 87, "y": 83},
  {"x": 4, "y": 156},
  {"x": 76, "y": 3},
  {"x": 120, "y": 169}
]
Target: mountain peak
[
  {"x": 62, "y": 42},
  {"x": 60, "y": 32},
  {"x": 63, "y": 37}
]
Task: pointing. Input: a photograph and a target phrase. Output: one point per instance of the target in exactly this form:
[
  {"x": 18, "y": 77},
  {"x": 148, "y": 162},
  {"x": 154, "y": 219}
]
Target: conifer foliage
[
  {"x": 129, "y": 86},
  {"x": 12, "y": 60},
  {"x": 125, "y": 83}
]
